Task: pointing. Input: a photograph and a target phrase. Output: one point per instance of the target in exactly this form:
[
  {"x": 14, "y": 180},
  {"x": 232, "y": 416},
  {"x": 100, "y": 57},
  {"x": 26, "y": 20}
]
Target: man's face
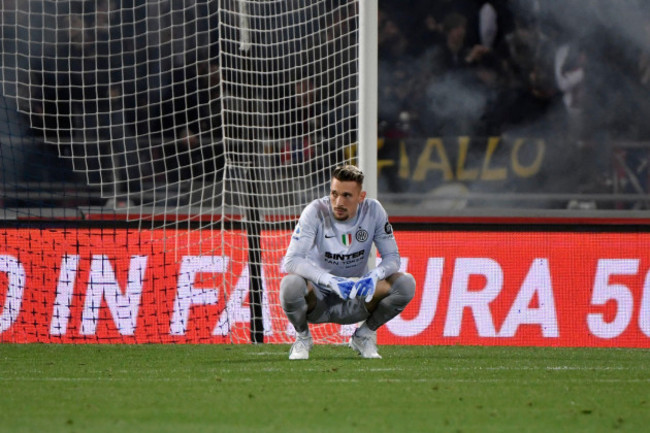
[{"x": 345, "y": 198}]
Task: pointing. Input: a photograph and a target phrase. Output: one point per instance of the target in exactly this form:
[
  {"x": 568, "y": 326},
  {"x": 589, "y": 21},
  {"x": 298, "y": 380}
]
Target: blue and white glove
[
  {"x": 366, "y": 285},
  {"x": 339, "y": 285}
]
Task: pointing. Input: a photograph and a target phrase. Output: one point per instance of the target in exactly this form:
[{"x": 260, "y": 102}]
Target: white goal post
[{"x": 215, "y": 121}]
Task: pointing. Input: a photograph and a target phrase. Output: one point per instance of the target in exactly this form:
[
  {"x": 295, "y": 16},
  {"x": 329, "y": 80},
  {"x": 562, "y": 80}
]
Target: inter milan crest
[{"x": 361, "y": 235}]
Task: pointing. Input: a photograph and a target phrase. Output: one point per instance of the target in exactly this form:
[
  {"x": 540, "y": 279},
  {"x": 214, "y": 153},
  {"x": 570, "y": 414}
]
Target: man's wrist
[
  {"x": 324, "y": 279},
  {"x": 380, "y": 273}
]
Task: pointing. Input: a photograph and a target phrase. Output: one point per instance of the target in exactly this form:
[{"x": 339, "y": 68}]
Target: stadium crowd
[
  {"x": 574, "y": 73},
  {"x": 482, "y": 66},
  {"x": 577, "y": 73}
]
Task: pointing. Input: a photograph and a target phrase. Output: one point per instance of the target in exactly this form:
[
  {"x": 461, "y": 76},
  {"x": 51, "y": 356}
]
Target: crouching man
[{"x": 327, "y": 263}]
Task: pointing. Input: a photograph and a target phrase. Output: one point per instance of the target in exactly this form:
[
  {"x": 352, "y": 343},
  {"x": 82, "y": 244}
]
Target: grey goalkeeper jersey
[{"x": 321, "y": 244}]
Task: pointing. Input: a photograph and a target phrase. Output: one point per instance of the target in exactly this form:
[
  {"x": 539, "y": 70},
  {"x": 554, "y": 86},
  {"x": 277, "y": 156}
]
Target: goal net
[{"x": 206, "y": 127}]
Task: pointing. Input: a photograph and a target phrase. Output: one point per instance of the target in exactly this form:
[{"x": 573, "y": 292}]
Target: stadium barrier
[{"x": 489, "y": 284}]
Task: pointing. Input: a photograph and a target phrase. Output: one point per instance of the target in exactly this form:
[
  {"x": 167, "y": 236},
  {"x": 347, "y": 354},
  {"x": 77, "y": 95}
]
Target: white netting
[
  {"x": 225, "y": 117},
  {"x": 288, "y": 72},
  {"x": 123, "y": 88}
]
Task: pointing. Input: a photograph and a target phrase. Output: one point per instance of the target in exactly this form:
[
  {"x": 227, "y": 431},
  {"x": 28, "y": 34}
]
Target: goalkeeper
[{"x": 327, "y": 263}]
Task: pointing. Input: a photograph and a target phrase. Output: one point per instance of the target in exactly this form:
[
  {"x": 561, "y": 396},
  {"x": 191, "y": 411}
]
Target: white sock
[
  {"x": 304, "y": 334},
  {"x": 364, "y": 331}
]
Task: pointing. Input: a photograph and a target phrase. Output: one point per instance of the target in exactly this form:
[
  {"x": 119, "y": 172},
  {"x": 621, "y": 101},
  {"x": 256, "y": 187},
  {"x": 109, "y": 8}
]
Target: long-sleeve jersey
[{"x": 320, "y": 244}]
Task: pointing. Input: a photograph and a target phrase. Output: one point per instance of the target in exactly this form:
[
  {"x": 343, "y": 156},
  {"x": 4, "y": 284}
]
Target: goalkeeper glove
[
  {"x": 365, "y": 287},
  {"x": 341, "y": 286}
]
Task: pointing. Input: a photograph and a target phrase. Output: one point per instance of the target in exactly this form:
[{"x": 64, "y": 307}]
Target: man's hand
[
  {"x": 365, "y": 287},
  {"x": 341, "y": 286}
]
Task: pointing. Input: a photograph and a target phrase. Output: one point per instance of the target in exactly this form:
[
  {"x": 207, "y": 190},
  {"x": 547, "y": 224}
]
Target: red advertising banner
[
  {"x": 119, "y": 286},
  {"x": 473, "y": 288},
  {"x": 526, "y": 289}
]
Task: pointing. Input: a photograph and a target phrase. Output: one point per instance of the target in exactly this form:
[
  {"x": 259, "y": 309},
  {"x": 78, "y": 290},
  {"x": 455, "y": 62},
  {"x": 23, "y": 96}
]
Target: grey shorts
[{"x": 332, "y": 309}]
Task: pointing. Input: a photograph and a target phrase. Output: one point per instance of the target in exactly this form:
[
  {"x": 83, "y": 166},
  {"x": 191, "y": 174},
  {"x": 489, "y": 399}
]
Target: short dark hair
[
  {"x": 452, "y": 21},
  {"x": 346, "y": 173}
]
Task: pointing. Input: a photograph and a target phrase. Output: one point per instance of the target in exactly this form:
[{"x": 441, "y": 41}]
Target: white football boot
[
  {"x": 301, "y": 347},
  {"x": 365, "y": 342}
]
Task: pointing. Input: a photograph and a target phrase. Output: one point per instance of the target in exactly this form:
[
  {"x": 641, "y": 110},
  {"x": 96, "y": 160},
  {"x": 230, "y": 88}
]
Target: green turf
[{"x": 245, "y": 388}]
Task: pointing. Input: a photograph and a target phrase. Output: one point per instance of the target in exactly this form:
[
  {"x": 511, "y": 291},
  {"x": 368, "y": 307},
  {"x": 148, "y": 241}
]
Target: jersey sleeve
[
  {"x": 385, "y": 242},
  {"x": 303, "y": 239}
]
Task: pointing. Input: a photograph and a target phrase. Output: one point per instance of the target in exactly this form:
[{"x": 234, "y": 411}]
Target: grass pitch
[{"x": 247, "y": 388}]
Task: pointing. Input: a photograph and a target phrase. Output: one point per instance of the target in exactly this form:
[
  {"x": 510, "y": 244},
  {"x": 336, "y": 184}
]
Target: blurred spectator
[
  {"x": 495, "y": 20},
  {"x": 469, "y": 9},
  {"x": 642, "y": 75},
  {"x": 570, "y": 62},
  {"x": 452, "y": 54},
  {"x": 488, "y": 26},
  {"x": 393, "y": 43},
  {"x": 401, "y": 76},
  {"x": 452, "y": 106}
]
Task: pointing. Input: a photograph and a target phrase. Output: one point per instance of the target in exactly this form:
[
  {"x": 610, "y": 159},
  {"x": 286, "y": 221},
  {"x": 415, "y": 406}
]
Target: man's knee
[
  {"x": 403, "y": 288},
  {"x": 292, "y": 288}
]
